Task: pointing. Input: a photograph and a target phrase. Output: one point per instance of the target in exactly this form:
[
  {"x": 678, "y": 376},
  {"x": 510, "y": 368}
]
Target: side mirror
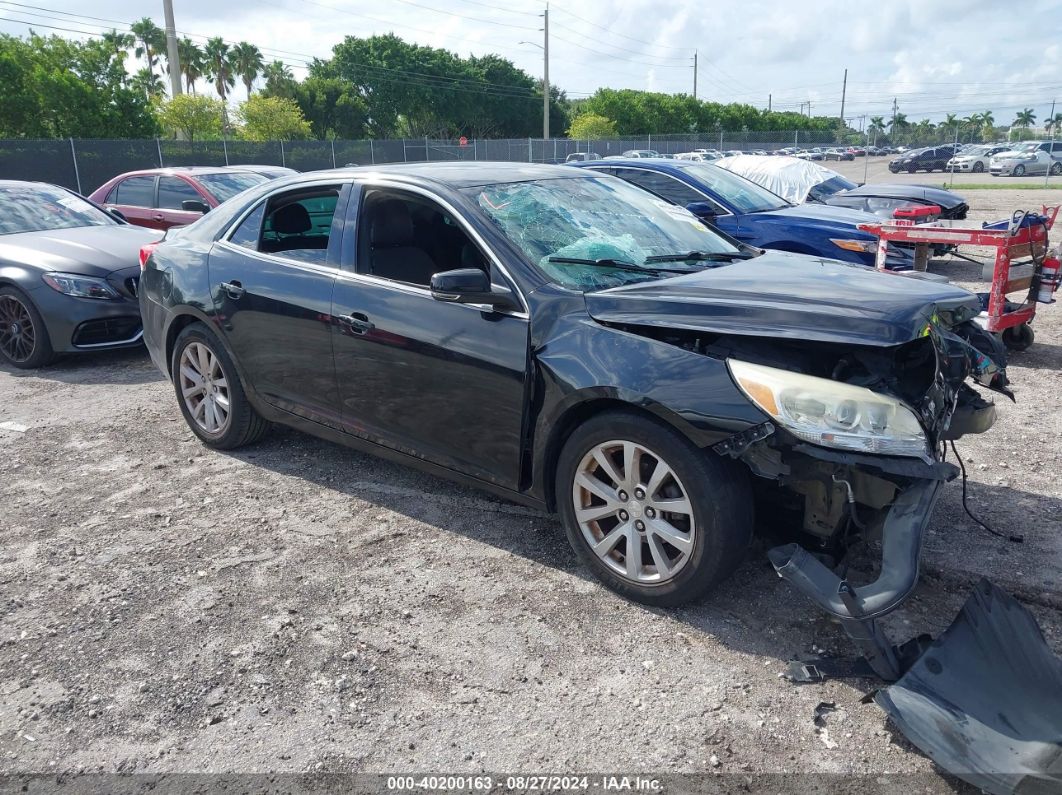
[
  {"x": 195, "y": 206},
  {"x": 118, "y": 214},
  {"x": 471, "y": 286},
  {"x": 702, "y": 210}
]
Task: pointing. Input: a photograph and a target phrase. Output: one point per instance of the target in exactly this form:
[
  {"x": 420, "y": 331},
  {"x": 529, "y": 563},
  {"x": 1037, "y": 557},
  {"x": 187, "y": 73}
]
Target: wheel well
[
  {"x": 180, "y": 323},
  {"x": 568, "y": 422}
]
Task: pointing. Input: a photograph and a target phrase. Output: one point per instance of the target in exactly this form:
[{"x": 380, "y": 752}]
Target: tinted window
[
  {"x": 662, "y": 185},
  {"x": 112, "y": 197},
  {"x": 173, "y": 191},
  {"x": 297, "y": 223},
  {"x": 40, "y": 207},
  {"x": 745, "y": 195},
  {"x": 226, "y": 184},
  {"x": 136, "y": 192},
  {"x": 247, "y": 233}
]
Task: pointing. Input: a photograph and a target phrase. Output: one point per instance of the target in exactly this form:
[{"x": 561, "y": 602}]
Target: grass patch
[{"x": 1004, "y": 186}]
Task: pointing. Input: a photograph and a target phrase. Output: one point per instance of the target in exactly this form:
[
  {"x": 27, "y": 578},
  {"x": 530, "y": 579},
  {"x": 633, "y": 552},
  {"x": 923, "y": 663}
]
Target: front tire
[
  {"x": 978, "y": 167},
  {"x": 24, "y": 341},
  {"x": 210, "y": 393},
  {"x": 1019, "y": 171},
  {"x": 1056, "y": 169},
  {"x": 656, "y": 519}
]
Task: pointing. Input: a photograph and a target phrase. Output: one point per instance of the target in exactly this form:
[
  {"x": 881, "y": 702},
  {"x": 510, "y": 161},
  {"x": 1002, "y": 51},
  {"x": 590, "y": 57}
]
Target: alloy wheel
[
  {"x": 1019, "y": 170},
  {"x": 204, "y": 388},
  {"x": 18, "y": 337},
  {"x": 634, "y": 512}
]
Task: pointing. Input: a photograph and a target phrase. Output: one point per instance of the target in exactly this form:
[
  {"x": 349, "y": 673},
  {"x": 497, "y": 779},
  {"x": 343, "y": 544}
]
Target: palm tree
[
  {"x": 988, "y": 121},
  {"x": 247, "y": 63},
  {"x": 278, "y": 72},
  {"x": 192, "y": 62},
  {"x": 151, "y": 38},
  {"x": 1053, "y": 123},
  {"x": 1025, "y": 118},
  {"x": 119, "y": 42},
  {"x": 147, "y": 82},
  {"x": 218, "y": 68},
  {"x": 876, "y": 127}
]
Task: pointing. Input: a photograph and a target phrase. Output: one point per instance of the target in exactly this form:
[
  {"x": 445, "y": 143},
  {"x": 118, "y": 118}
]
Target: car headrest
[
  {"x": 392, "y": 224},
  {"x": 292, "y": 219}
]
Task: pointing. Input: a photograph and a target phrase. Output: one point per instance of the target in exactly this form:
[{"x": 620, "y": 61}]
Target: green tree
[
  {"x": 247, "y": 63},
  {"x": 218, "y": 66},
  {"x": 55, "y": 88},
  {"x": 332, "y": 106},
  {"x": 1025, "y": 118},
  {"x": 119, "y": 42},
  {"x": 592, "y": 125},
  {"x": 191, "y": 116},
  {"x": 151, "y": 41},
  {"x": 193, "y": 62},
  {"x": 272, "y": 119},
  {"x": 876, "y": 127},
  {"x": 1054, "y": 123},
  {"x": 148, "y": 83},
  {"x": 279, "y": 81}
]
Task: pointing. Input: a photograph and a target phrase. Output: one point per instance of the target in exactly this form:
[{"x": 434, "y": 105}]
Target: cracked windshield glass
[{"x": 589, "y": 234}]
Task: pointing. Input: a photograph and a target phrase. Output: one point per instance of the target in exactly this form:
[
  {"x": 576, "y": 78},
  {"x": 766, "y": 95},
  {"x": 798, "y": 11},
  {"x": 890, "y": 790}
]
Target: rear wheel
[
  {"x": 657, "y": 519},
  {"x": 911, "y": 169},
  {"x": 1019, "y": 170},
  {"x": 1056, "y": 168},
  {"x": 978, "y": 167},
  {"x": 24, "y": 340},
  {"x": 210, "y": 393}
]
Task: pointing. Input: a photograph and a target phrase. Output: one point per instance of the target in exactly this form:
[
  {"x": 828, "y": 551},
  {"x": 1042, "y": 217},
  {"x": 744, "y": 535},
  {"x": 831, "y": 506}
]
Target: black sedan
[
  {"x": 566, "y": 340},
  {"x": 68, "y": 275}
]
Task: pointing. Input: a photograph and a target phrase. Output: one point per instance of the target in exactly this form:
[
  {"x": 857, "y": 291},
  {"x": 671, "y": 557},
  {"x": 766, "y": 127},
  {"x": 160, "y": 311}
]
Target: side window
[
  {"x": 112, "y": 197},
  {"x": 297, "y": 223},
  {"x": 662, "y": 185},
  {"x": 408, "y": 238},
  {"x": 136, "y": 192},
  {"x": 173, "y": 191},
  {"x": 250, "y": 229}
]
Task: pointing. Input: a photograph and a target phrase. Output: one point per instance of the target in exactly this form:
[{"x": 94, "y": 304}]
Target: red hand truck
[{"x": 1023, "y": 238}]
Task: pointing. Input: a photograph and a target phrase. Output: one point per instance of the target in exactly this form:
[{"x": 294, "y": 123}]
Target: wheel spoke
[
  {"x": 660, "y": 559},
  {"x": 674, "y": 505},
  {"x": 633, "y": 559},
  {"x": 667, "y": 531},
  {"x": 608, "y": 543},
  {"x": 631, "y": 456},
  {"x": 605, "y": 462},
  {"x": 595, "y": 512},
  {"x": 660, "y": 472},
  {"x": 595, "y": 486}
]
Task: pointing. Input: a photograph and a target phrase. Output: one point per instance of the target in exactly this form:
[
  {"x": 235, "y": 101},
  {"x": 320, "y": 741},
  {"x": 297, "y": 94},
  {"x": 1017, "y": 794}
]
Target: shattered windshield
[
  {"x": 593, "y": 233},
  {"x": 742, "y": 194}
]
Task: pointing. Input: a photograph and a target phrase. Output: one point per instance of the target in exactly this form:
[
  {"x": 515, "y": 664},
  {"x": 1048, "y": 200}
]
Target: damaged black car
[{"x": 566, "y": 340}]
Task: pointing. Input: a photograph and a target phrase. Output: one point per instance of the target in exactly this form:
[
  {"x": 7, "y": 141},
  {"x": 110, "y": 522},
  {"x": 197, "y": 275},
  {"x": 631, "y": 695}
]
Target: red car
[{"x": 159, "y": 198}]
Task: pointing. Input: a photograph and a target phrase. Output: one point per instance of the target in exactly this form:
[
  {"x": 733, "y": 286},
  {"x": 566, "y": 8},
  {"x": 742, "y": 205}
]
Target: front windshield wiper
[
  {"x": 615, "y": 264},
  {"x": 700, "y": 256}
]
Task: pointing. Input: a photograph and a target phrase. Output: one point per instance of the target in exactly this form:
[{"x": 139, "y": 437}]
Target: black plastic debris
[{"x": 985, "y": 700}]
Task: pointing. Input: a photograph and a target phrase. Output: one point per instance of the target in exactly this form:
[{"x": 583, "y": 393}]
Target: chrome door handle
[
  {"x": 233, "y": 288},
  {"x": 357, "y": 322}
]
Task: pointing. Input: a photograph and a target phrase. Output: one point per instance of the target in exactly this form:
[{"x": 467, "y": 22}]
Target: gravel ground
[{"x": 297, "y": 606}]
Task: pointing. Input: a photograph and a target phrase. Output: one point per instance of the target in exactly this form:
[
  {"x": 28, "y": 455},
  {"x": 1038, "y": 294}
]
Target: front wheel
[
  {"x": 1056, "y": 169},
  {"x": 210, "y": 393},
  {"x": 978, "y": 167},
  {"x": 24, "y": 340},
  {"x": 657, "y": 519},
  {"x": 1019, "y": 171}
]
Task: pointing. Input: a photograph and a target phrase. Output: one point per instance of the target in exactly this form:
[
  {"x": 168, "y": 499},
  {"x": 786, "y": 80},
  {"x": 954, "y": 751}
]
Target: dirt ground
[{"x": 297, "y": 606}]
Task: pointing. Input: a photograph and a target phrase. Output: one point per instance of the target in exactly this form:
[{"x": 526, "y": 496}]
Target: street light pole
[
  {"x": 545, "y": 74},
  {"x": 171, "y": 49}
]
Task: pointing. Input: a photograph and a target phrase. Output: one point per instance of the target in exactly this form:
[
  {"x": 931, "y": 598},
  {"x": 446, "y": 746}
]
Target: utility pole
[
  {"x": 768, "y": 103},
  {"x": 1053, "y": 128},
  {"x": 844, "y": 90},
  {"x": 695, "y": 74},
  {"x": 895, "y": 110},
  {"x": 171, "y": 49},
  {"x": 545, "y": 74}
]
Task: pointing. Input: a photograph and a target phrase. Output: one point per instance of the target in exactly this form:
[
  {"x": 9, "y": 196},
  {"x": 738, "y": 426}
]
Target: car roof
[
  {"x": 189, "y": 170},
  {"x": 460, "y": 174}
]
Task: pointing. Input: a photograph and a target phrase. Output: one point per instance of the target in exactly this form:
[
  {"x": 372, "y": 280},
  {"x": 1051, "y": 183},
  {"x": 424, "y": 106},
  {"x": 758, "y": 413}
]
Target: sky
[{"x": 934, "y": 58}]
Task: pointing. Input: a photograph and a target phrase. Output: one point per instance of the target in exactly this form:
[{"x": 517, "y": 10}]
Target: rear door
[
  {"x": 134, "y": 197},
  {"x": 272, "y": 278},
  {"x": 172, "y": 191}
]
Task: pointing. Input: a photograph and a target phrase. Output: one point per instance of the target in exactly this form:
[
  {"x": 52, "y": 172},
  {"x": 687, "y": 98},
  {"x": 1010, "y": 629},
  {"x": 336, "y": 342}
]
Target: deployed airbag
[{"x": 985, "y": 699}]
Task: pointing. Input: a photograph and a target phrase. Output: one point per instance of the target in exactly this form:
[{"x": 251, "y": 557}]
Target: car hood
[
  {"x": 88, "y": 250},
  {"x": 789, "y": 296},
  {"x": 827, "y": 214},
  {"x": 942, "y": 198}
]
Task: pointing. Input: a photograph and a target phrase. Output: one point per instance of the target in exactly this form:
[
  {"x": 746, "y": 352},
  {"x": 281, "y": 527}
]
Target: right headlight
[{"x": 832, "y": 413}]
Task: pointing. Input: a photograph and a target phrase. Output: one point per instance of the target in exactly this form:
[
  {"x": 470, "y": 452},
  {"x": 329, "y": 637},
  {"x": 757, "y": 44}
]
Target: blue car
[{"x": 754, "y": 215}]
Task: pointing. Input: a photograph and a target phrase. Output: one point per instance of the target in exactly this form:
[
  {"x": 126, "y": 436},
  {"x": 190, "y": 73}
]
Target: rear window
[{"x": 226, "y": 184}]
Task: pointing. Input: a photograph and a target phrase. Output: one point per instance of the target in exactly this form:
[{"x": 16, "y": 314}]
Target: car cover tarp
[
  {"x": 789, "y": 177},
  {"x": 985, "y": 700}
]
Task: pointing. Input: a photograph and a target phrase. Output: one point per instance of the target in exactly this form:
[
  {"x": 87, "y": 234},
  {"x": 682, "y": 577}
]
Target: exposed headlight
[
  {"x": 831, "y": 413},
  {"x": 80, "y": 286},
  {"x": 862, "y": 246}
]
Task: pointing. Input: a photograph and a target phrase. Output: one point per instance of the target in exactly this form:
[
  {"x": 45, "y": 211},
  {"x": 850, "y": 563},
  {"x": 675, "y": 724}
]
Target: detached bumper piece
[
  {"x": 858, "y": 607},
  {"x": 985, "y": 700}
]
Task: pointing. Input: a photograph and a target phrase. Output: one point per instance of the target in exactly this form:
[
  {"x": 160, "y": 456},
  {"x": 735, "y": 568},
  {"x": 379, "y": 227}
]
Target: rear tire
[
  {"x": 1056, "y": 169},
  {"x": 710, "y": 502},
  {"x": 210, "y": 393},
  {"x": 978, "y": 167},
  {"x": 24, "y": 340}
]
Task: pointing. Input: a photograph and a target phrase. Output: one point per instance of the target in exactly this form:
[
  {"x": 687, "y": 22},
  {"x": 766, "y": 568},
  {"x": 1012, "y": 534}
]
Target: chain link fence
[{"x": 85, "y": 164}]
